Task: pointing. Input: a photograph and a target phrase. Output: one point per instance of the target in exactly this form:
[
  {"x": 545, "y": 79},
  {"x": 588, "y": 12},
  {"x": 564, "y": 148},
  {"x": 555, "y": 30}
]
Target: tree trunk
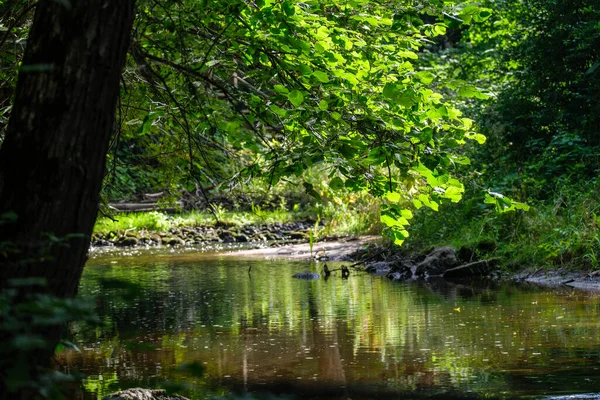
[{"x": 52, "y": 160}]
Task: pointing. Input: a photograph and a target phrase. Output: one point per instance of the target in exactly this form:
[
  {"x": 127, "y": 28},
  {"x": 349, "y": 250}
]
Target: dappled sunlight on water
[{"x": 363, "y": 337}]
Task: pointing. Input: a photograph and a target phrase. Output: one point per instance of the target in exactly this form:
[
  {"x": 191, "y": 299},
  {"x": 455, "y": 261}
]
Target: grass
[
  {"x": 351, "y": 215},
  {"x": 163, "y": 222},
  {"x": 354, "y": 214},
  {"x": 559, "y": 231}
]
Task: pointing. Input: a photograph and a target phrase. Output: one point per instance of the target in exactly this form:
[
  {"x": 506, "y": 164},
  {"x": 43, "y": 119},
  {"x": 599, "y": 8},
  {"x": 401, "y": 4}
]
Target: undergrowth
[{"x": 561, "y": 230}]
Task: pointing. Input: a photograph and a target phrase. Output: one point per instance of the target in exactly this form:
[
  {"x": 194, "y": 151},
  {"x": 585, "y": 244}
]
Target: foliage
[
  {"x": 26, "y": 320},
  {"x": 14, "y": 26},
  {"x": 269, "y": 90},
  {"x": 543, "y": 126},
  {"x": 560, "y": 231}
]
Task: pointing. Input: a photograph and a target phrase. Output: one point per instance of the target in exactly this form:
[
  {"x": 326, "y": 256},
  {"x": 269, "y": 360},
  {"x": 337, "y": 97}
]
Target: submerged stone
[{"x": 309, "y": 276}]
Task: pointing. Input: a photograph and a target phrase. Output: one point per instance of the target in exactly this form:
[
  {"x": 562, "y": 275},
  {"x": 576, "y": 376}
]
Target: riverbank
[
  {"x": 444, "y": 262},
  {"x": 334, "y": 249},
  {"x": 300, "y": 240},
  {"x": 283, "y": 232}
]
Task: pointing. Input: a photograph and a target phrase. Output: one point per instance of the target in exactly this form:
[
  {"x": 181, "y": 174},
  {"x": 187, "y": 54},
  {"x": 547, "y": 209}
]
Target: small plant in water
[{"x": 312, "y": 235}]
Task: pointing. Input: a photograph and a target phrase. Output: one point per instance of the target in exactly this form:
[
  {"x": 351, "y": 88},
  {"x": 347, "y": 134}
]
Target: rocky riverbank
[
  {"x": 292, "y": 232},
  {"x": 369, "y": 255},
  {"x": 290, "y": 240}
]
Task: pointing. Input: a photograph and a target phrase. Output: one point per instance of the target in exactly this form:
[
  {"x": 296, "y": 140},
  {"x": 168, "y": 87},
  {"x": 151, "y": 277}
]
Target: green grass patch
[
  {"x": 163, "y": 222},
  {"x": 350, "y": 216}
]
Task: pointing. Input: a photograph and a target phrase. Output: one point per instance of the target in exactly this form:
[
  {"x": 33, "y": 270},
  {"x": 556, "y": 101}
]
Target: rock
[
  {"x": 173, "y": 241},
  {"x": 309, "y": 276},
  {"x": 127, "y": 241},
  {"x": 297, "y": 236},
  {"x": 477, "y": 268},
  {"x": 241, "y": 238},
  {"x": 379, "y": 268},
  {"x": 259, "y": 237},
  {"x": 437, "y": 262},
  {"x": 226, "y": 236},
  {"x": 102, "y": 242},
  {"x": 132, "y": 234},
  {"x": 143, "y": 394},
  {"x": 399, "y": 276}
]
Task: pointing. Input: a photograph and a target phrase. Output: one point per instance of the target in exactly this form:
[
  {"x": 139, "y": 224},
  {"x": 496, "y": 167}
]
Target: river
[{"x": 201, "y": 323}]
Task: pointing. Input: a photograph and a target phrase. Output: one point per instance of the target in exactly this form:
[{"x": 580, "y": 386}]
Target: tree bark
[{"x": 52, "y": 160}]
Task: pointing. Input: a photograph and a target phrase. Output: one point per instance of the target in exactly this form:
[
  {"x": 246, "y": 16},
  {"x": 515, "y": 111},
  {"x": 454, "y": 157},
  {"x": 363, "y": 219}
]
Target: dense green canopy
[{"x": 270, "y": 89}]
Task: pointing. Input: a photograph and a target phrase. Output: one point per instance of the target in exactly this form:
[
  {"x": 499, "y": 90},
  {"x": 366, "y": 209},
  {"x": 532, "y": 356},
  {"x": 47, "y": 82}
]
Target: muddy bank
[
  {"x": 560, "y": 277},
  {"x": 339, "y": 249}
]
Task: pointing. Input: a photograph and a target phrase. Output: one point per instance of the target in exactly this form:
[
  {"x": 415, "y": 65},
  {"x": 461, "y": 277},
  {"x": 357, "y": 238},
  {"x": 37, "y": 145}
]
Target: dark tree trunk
[{"x": 53, "y": 157}]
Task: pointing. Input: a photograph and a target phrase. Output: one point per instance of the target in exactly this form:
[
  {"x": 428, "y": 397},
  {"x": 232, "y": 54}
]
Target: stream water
[{"x": 263, "y": 333}]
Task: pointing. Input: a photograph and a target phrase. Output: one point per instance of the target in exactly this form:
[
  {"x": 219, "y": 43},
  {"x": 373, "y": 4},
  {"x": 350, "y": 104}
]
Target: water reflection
[{"x": 363, "y": 337}]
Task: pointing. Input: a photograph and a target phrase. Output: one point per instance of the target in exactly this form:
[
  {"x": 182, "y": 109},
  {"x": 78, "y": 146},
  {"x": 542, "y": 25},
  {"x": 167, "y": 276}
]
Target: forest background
[{"x": 522, "y": 74}]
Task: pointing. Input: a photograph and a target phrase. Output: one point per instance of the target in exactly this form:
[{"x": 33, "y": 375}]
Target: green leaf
[
  {"x": 391, "y": 90},
  {"x": 408, "y": 54},
  {"x": 146, "y": 125},
  {"x": 278, "y": 110},
  {"x": 468, "y": 91},
  {"x": 304, "y": 69},
  {"x": 392, "y": 196},
  {"x": 483, "y": 14},
  {"x": 427, "y": 174},
  {"x": 462, "y": 160},
  {"x": 311, "y": 190},
  {"x": 281, "y": 89},
  {"x": 478, "y": 137},
  {"x": 388, "y": 220},
  {"x": 425, "y": 76},
  {"x": 288, "y": 8},
  {"x": 321, "y": 76},
  {"x": 323, "y": 105},
  {"x": 296, "y": 98},
  {"x": 336, "y": 183},
  {"x": 407, "y": 99},
  {"x": 453, "y": 193},
  {"x": 428, "y": 202}
]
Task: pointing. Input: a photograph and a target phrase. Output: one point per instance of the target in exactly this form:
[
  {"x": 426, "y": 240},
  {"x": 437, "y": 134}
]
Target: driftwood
[{"x": 143, "y": 394}]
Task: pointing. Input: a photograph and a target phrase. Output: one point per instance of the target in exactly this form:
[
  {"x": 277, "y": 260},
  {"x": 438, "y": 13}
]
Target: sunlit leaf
[{"x": 296, "y": 98}]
